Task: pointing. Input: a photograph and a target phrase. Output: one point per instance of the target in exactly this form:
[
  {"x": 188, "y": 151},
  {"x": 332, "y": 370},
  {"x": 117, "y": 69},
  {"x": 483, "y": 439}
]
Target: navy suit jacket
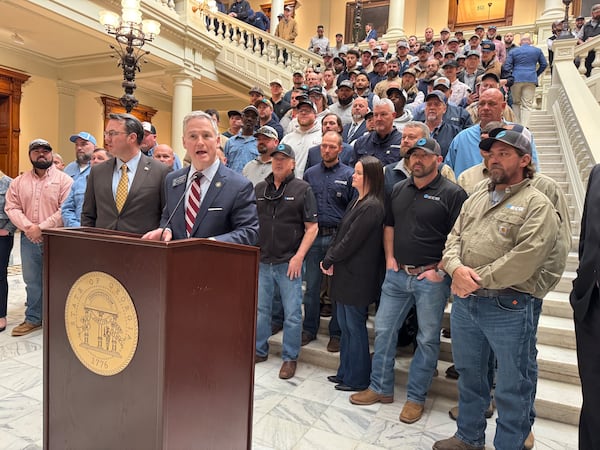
[
  {"x": 358, "y": 133},
  {"x": 227, "y": 211}
]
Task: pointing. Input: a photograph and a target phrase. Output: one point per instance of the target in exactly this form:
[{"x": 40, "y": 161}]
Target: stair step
[
  {"x": 556, "y": 331},
  {"x": 555, "y": 400},
  {"x": 556, "y": 304},
  {"x": 551, "y": 158}
]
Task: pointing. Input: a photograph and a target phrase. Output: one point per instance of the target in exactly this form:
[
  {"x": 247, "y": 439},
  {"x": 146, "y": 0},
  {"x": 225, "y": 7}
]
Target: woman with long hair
[{"x": 355, "y": 259}]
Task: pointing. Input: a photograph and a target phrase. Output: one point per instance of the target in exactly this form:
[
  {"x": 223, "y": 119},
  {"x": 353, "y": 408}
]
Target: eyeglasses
[
  {"x": 111, "y": 134},
  {"x": 274, "y": 195}
]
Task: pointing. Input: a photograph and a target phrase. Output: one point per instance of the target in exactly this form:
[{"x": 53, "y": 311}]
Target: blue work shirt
[
  {"x": 333, "y": 191},
  {"x": 239, "y": 151}
]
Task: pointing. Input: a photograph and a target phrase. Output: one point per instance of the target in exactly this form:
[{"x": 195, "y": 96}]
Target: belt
[
  {"x": 416, "y": 270},
  {"x": 494, "y": 292},
  {"x": 327, "y": 231}
]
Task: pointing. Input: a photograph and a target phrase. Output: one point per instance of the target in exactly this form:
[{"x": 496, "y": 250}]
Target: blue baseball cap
[{"x": 83, "y": 135}]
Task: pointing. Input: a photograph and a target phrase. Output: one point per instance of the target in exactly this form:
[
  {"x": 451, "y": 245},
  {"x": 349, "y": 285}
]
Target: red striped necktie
[{"x": 193, "y": 205}]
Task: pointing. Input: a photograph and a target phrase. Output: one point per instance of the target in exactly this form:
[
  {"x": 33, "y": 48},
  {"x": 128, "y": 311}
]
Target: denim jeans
[
  {"x": 355, "y": 359},
  {"x": 269, "y": 276},
  {"x": 504, "y": 325},
  {"x": 312, "y": 297},
  {"x": 6, "y": 245},
  {"x": 32, "y": 256},
  {"x": 399, "y": 293}
]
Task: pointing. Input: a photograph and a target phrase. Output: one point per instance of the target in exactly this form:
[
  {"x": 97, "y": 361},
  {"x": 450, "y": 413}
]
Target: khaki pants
[{"x": 523, "y": 97}]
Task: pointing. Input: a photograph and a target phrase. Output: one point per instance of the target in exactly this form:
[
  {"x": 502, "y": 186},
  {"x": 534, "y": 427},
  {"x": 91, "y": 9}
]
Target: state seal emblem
[{"x": 101, "y": 323}]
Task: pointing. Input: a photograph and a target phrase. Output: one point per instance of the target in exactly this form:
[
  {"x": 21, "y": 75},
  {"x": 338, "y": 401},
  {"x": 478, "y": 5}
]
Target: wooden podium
[{"x": 189, "y": 382}]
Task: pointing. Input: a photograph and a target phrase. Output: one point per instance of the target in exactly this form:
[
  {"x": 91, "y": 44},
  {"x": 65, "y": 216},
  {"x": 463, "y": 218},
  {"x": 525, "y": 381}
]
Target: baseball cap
[
  {"x": 347, "y": 84},
  {"x": 266, "y": 101},
  {"x": 473, "y": 53},
  {"x": 250, "y": 108},
  {"x": 442, "y": 81},
  {"x": 488, "y": 46},
  {"x": 460, "y": 56},
  {"x": 87, "y": 136},
  {"x": 276, "y": 81},
  {"x": 492, "y": 27},
  {"x": 450, "y": 63},
  {"x": 474, "y": 36},
  {"x": 286, "y": 150},
  {"x": 452, "y": 39},
  {"x": 367, "y": 50},
  {"x": 422, "y": 49},
  {"x": 436, "y": 94},
  {"x": 580, "y": 18},
  {"x": 402, "y": 44},
  {"x": 410, "y": 71},
  {"x": 339, "y": 58},
  {"x": 147, "y": 126},
  {"x": 395, "y": 88},
  {"x": 280, "y": 15},
  {"x": 297, "y": 72},
  {"x": 510, "y": 137},
  {"x": 445, "y": 30},
  {"x": 288, "y": 8},
  {"x": 317, "y": 90},
  {"x": 307, "y": 102},
  {"x": 490, "y": 75},
  {"x": 380, "y": 61},
  {"x": 413, "y": 60},
  {"x": 267, "y": 131},
  {"x": 233, "y": 112},
  {"x": 39, "y": 143},
  {"x": 256, "y": 89},
  {"x": 428, "y": 144},
  {"x": 479, "y": 27}
]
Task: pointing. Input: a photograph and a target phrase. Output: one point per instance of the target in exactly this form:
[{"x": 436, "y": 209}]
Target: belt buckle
[{"x": 408, "y": 267}]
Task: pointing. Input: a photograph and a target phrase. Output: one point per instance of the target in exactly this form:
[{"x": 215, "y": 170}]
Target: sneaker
[
  {"x": 333, "y": 346},
  {"x": 369, "y": 397},
  {"x": 25, "y": 328},
  {"x": 454, "y": 443},
  {"x": 411, "y": 412}
]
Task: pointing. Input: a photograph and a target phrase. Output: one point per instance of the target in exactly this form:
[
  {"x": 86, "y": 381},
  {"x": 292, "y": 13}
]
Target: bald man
[{"x": 165, "y": 155}]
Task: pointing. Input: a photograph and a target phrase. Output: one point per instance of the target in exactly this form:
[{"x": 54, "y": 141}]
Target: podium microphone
[{"x": 195, "y": 176}]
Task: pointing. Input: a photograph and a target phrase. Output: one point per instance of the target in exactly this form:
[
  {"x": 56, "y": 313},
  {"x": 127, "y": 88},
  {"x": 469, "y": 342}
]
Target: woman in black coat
[{"x": 355, "y": 259}]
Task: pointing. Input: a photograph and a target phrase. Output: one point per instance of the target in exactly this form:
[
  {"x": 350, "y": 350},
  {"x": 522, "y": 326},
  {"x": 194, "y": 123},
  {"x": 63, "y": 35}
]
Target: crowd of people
[{"x": 389, "y": 178}]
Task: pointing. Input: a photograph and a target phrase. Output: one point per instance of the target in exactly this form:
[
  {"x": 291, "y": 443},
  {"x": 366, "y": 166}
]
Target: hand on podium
[{"x": 160, "y": 234}]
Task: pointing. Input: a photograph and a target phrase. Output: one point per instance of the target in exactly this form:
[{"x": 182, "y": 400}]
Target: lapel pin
[{"x": 218, "y": 184}]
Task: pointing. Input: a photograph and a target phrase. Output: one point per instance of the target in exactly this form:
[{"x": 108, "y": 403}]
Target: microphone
[{"x": 195, "y": 176}]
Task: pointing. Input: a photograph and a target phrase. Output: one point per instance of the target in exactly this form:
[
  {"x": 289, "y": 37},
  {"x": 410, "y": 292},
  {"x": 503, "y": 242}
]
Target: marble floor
[{"x": 302, "y": 413}]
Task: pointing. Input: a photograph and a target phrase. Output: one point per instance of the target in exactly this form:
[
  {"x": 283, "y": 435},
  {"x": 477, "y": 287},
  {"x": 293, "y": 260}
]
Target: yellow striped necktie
[{"x": 122, "y": 188}]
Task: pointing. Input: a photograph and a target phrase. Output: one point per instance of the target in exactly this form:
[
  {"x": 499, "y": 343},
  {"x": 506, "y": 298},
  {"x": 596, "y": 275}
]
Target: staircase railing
[
  {"x": 573, "y": 99},
  {"x": 257, "y": 43}
]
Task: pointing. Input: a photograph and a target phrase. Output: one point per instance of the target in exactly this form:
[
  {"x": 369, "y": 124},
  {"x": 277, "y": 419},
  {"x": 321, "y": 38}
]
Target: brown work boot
[
  {"x": 528, "y": 444},
  {"x": 454, "y": 443},
  {"x": 288, "y": 370},
  {"x": 411, "y": 412},
  {"x": 25, "y": 328},
  {"x": 333, "y": 346},
  {"x": 369, "y": 397},
  {"x": 453, "y": 413}
]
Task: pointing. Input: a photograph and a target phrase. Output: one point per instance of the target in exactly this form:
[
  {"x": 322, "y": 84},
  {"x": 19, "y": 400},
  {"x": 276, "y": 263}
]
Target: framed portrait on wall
[{"x": 374, "y": 11}]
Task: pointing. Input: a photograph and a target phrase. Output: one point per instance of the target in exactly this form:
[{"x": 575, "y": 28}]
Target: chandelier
[{"x": 131, "y": 33}]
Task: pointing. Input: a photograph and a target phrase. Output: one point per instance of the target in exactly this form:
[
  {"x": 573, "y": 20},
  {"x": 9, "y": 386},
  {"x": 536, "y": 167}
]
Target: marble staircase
[{"x": 559, "y": 391}]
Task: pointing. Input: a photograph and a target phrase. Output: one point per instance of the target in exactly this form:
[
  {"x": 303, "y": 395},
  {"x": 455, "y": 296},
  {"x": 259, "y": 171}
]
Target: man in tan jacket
[{"x": 287, "y": 28}]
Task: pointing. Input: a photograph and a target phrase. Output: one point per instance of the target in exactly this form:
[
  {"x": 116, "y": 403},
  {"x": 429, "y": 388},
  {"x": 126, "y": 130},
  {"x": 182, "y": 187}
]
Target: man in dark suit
[
  {"x": 125, "y": 193},
  {"x": 222, "y": 207},
  {"x": 358, "y": 127},
  {"x": 586, "y": 306}
]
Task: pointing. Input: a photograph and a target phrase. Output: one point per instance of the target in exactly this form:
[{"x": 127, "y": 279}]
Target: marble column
[
  {"x": 67, "y": 93},
  {"x": 553, "y": 9},
  {"x": 395, "y": 28},
  {"x": 182, "y": 104},
  {"x": 276, "y": 9}
]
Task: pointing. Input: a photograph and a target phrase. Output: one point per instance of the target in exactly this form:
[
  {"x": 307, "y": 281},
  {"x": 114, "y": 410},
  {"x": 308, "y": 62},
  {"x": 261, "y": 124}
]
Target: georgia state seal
[{"x": 101, "y": 323}]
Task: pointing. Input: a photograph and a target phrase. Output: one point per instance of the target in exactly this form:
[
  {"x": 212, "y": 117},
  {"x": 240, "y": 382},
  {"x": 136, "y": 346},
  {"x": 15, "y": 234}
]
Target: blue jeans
[
  {"x": 355, "y": 359},
  {"x": 312, "y": 297},
  {"x": 504, "y": 325},
  {"x": 399, "y": 293},
  {"x": 32, "y": 257},
  {"x": 269, "y": 276}
]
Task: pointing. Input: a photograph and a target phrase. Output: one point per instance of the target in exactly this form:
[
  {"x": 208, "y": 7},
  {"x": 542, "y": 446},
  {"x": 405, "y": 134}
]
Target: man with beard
[
  {"x": 363, "y": 89},
  {"x": 331, "y": 122},
  {"x": 266, "y": 143},
  {"x": 391, "y": 77},
  {"x": 339, "y": 46},
  {"x": 329, "y": 84},
  {"x": 442, "y": 131},
  {"x": 85, "y": 143},
  {"x": 379, "y": 72},
  {"x": 398, "y": 97},
  {"x": 413, "y": 245},
  {"x": 343, "y": 106},
  {"x": 33, "y": 204},
  {"x": 495, "y": 255},
  {"x": 267, "y": 118},
  {"x": 509, "y": 43},
  {"x": 280, "y": 106},
  {"x": 241, "y": 148},
  {"x": 358, "y": 126},
  {"x": 384, "y": 142}
]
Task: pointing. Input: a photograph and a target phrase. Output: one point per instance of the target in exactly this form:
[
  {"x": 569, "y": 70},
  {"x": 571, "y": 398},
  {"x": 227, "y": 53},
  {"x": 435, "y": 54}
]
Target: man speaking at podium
[{"x": 207, "y": 199}]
